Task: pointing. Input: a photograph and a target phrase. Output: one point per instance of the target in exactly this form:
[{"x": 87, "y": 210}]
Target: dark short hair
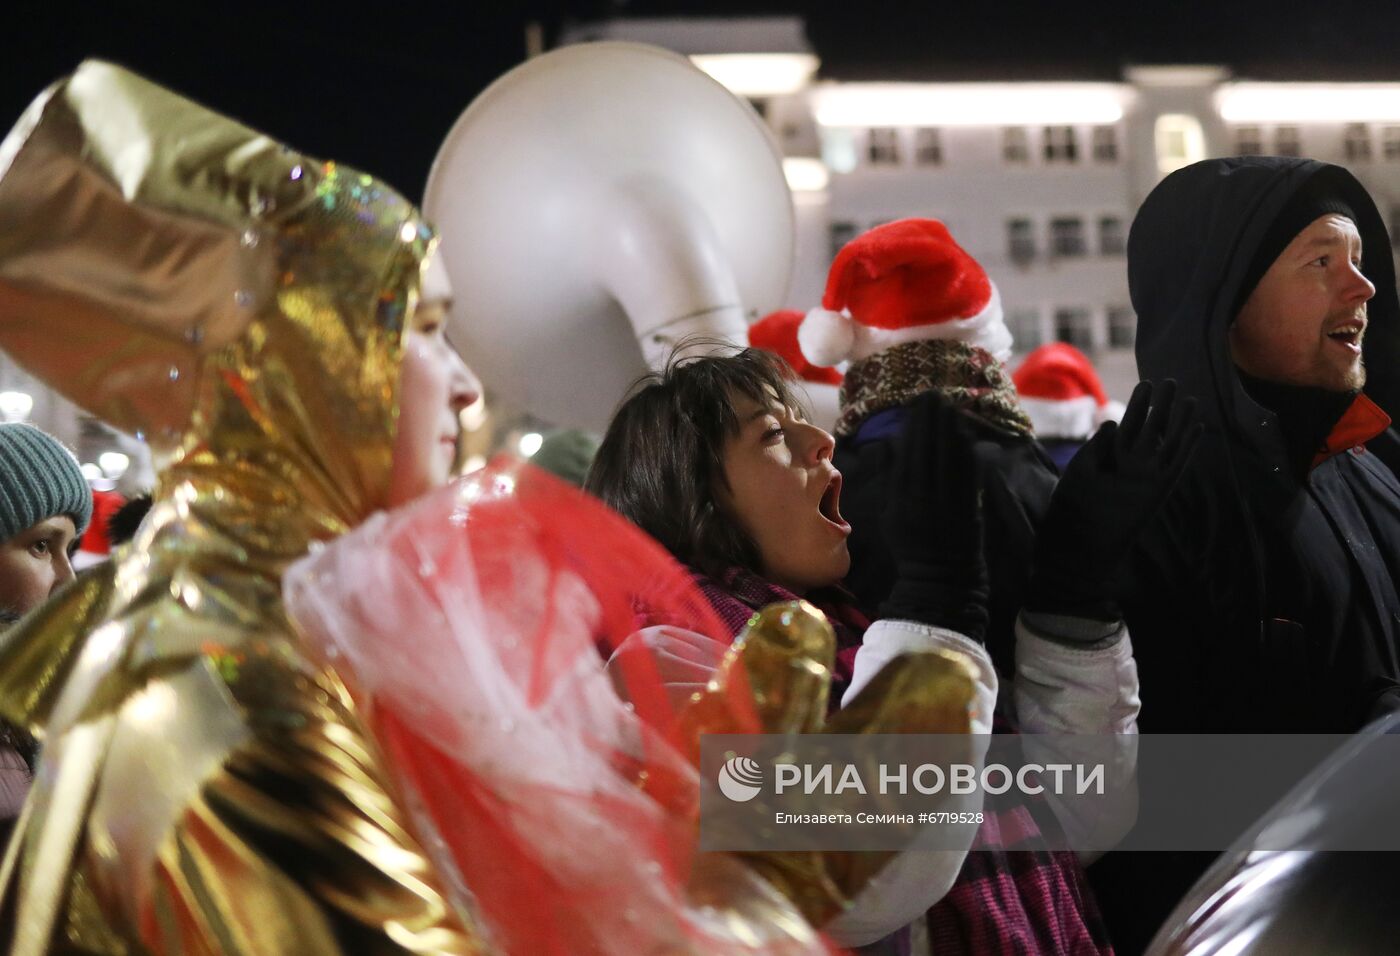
[
  {"x": 661, "y": 461},
  {"x": 126, "y": 520}
]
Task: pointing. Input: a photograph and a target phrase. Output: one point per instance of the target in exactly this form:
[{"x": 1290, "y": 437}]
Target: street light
[
  {"x": 113, "y": 463},
  {"x": 530, "y": 443},
  {"x": 15, "y": 406}
]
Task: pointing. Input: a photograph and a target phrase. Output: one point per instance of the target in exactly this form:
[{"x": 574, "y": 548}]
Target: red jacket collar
[{"x": 1361, "y": 422}]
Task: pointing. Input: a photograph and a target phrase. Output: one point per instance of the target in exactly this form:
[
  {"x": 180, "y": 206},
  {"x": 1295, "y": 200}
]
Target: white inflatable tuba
[{"x": 597, "y": 204}]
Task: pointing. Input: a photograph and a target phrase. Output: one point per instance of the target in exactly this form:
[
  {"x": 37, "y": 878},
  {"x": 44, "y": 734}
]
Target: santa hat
[
  {"x": 1062, "y": 394},
  {"x": 777, "y": 333},
  {"x": 95, "y": 545},
  {"x": 903, "y": 282}
]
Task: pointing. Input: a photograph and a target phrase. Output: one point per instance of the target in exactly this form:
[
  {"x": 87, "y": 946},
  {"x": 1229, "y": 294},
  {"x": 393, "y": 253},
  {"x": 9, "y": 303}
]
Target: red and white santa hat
[
  {"x": 777, "y": 333},
  {"x": 903, "y": 282},
  {"x": 1062, "y": 394},
  {"x": 96, "y": 545}
]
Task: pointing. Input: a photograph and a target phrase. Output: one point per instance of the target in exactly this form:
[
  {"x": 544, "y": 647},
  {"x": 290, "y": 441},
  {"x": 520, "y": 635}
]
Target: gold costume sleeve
[
  {"x": 296, "y": 845},
  {"x": 226, "y": 800}
]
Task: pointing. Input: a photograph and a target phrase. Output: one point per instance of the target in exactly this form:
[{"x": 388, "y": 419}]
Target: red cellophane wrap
[{"x": 473, "y": 626}]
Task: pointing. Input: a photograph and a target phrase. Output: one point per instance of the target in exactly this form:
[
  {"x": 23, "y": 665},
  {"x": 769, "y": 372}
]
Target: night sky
[{"x": 380, "y": 90}]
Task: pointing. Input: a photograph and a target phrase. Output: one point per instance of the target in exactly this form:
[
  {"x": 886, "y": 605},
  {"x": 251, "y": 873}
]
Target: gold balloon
[{"x": 775, "y": 679}]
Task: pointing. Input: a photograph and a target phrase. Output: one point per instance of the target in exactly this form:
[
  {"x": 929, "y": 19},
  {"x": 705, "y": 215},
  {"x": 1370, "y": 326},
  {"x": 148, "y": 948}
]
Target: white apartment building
[{"x": 1037, "y": 180}]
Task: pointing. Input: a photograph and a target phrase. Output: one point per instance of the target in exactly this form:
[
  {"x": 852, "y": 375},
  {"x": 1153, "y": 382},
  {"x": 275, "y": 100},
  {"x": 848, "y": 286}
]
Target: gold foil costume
[{"x": 204, "y": 787}]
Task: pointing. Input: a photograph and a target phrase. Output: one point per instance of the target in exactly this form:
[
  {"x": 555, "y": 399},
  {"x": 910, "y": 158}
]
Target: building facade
[{"x": 1039, "y": 180}]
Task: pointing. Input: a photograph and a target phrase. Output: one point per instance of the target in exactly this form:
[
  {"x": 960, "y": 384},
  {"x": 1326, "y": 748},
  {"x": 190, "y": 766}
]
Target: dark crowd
[{"x": 240, "y": 732}]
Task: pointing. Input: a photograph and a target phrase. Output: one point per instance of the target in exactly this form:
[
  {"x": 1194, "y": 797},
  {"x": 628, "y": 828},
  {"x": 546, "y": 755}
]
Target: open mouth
[
  {"x": 830, "y": 505},
  {"x": 1348, "y": 335}
]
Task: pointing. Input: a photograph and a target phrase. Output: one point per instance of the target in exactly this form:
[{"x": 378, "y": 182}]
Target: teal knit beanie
[
  {"x": 567, "y": 453},
  {"x": 39, "y": 478}
]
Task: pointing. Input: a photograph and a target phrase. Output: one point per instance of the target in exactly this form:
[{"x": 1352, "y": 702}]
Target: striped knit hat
[{"x": 39, "y": 478}]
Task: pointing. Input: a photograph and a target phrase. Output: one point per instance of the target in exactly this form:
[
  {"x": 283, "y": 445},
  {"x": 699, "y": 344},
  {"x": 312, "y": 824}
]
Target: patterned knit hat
[
  {"x": 568, "y": 454},
  {"x": 39, "y": 478}
]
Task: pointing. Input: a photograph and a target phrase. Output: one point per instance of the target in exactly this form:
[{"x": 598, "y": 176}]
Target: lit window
[
  {"x": 1075, "y": 326},
  {"x": 1122, "y": 327},
  {"x": 1249, "y": 140},
  {"x": 1174, "y": 143},
  {"x": 839, "y": 149},
  {"x": 1105, "y": 144},
  {"x": 1286, "y": 141},
  {"x": 1112, "y": 242},
  {"x": 1060, "y": 144},
  {"x": 928, "y": 147},
  {"x": 1067, "y": 236},
  {"x": 1390, "y": 142},
  {"x": 1024, "y": 325},
  {"x": 1179, "y": 141},
  {"x": 841, "y": 233},
  {"x": 1356, "y": 141},
  {"x": 884, "y": 147},
  {"x": 1020, "y": 240},
  {"x": 1015, "y": 144}
]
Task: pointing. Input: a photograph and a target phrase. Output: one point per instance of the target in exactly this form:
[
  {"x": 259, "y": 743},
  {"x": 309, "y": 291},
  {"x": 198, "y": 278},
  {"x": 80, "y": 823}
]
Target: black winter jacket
[
  {"x": 1017, "y": 480},
  {"x": 1264, "y": 597}
]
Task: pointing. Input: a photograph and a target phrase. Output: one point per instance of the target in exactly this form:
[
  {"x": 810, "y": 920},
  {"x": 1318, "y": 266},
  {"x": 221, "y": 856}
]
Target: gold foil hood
[{"x": 143, "y": 232}]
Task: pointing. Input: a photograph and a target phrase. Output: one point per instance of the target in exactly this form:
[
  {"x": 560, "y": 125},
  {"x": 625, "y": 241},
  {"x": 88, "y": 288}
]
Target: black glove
[
  {"x": 933, "y": 523},
  {"x": 1111, "y": 489}
]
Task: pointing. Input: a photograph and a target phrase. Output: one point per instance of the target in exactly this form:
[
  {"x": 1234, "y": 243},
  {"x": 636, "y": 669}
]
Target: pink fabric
[
  {"x": 14, "y": 782},
  {"x": 468, "y": 626},
  {"x": 738, "y": 593}
]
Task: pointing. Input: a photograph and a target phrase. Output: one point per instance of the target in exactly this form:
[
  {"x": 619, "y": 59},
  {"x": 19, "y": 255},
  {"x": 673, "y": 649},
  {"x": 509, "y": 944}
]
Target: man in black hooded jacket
[{"x": 1263, "y": 598}]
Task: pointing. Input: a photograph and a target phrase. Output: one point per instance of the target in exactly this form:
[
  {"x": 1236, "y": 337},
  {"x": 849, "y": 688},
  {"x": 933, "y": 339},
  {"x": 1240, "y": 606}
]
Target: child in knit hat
[{"x": 45, "y": 506}]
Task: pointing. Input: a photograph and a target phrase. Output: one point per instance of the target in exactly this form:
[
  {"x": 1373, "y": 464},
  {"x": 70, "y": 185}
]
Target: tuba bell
[{"x": 598, "y": 204}]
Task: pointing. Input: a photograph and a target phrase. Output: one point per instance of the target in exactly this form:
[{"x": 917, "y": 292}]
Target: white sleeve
[
  {"x": 917, "y": 878},
  {"x": 887, "y": 639},
  {"x": 1063, "y": 689},
  {"x": 1068, "y": 690}
]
